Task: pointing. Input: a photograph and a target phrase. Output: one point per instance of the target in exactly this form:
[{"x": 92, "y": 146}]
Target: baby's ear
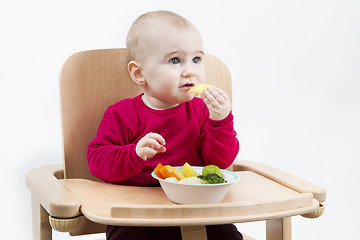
[{"x": 136, "y": 73}]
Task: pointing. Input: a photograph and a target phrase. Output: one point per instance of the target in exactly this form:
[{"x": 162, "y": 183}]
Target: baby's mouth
[{"x": 187, "y": 86}]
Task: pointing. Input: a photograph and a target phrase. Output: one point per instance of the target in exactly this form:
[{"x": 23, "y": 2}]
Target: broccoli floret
[{"x": 211, "y": 178}]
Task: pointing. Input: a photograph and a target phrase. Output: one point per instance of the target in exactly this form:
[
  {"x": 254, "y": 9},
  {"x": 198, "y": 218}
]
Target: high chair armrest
[
  {"x": 281, "y": 177},
  {"x": 46, "y": 188}
]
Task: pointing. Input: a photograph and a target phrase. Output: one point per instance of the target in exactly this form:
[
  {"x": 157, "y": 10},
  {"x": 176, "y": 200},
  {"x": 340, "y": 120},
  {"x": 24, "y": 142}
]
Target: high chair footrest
[
  {"x": 64, "y": 224},
  {"x": 316, "y": 213}
]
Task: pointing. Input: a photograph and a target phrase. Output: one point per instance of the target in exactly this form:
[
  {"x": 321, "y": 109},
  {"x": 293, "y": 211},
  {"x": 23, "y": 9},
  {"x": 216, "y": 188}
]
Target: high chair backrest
[{"x": 91, "y": 81}]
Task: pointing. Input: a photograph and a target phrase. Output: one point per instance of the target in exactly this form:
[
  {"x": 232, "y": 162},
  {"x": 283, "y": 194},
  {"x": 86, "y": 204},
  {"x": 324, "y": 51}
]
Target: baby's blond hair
[{"x": 134, "y": 43}]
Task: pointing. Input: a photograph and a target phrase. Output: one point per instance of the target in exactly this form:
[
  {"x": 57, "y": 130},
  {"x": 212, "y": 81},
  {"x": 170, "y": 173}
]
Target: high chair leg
[
  {"x": 193, "y": 232},
  {"x": 40, "y": 218},
  {"x": 278, "y": 229}
]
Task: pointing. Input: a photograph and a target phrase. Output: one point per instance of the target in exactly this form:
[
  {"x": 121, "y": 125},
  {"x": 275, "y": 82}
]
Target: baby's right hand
[{"x": 150, "y": 145}]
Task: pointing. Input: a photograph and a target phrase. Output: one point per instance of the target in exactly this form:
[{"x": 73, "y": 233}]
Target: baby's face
[{"x": 173, "y": 62}]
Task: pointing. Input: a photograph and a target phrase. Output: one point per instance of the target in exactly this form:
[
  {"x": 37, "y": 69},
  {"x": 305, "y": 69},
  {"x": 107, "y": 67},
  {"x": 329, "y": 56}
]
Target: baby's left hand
[{"x": 217, "y": 101}]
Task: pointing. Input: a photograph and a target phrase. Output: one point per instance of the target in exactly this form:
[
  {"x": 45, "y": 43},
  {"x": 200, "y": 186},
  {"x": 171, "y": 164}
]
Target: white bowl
[{"x": 197, "y": 193}]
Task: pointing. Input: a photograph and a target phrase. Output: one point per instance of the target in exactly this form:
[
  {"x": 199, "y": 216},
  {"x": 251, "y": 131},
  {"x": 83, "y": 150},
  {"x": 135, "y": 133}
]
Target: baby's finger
[
  {"x": 151, "y": 143},
  {"x": 222, "y": 93},
  {"x": 211, "y": 99},
  {"x": 148, "y": 152},
  {"x": 158, "y": 149},
  {"x": 162, "y": 149},
  {"x": 157, "y": 137},
  {"x": 206, "y": 101},
  {"x": 217, "y": 96}
]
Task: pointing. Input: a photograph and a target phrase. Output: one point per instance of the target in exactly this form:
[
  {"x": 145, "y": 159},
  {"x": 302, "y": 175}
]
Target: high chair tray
[{"x": 253, "y": 198}]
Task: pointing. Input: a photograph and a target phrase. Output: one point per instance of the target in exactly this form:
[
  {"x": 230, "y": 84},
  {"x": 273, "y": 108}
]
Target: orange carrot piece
[
  {"x": 157, "y": 171},
  {"x": 175, "y": 176},
  {"x": 165, "y": 173}
]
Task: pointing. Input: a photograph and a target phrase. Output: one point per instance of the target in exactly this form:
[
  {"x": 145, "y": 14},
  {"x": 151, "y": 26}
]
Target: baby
[{"x": 165, "y": 123}]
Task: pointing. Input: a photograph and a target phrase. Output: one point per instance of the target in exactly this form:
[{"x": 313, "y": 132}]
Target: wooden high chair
[{"x": 68, "y": 198}]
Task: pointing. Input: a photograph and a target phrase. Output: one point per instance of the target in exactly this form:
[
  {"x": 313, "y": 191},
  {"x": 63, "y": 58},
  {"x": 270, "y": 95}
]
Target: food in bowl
[
  {"x": 210, "y": 174},
  {"x": 196, "y": 193},
  {"x": 212, "y": 178},
  {"x": 188, "y": 171},
  {"x": 211, "y": 169},
  {"x": 191, "y": 180}
]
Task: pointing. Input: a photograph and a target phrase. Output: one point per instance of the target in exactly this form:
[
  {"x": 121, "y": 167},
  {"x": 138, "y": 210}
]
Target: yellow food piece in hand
[
  {"x": 199, "y": 88},
  {"x": 188, "y": 171}
]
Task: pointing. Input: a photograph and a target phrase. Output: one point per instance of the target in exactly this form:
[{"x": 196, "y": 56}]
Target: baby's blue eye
[
  {"x": 196, "y": 59},
  {"x": 174, "y": 60}
]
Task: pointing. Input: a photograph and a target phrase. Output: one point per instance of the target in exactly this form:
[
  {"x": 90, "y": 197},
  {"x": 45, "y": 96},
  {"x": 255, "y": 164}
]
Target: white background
[{"x": 296, "y": 81}]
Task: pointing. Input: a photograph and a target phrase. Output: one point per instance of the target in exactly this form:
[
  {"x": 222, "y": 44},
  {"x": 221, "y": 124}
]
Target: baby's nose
[{"x": 188, "y": 72}]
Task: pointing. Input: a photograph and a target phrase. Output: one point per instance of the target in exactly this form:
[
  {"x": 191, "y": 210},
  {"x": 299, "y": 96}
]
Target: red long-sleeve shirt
[{"x": 190, "y": 135}]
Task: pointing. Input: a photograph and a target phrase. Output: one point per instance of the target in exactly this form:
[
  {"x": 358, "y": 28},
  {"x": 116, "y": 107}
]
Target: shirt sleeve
[
  {"x": 218, "y": 142},
  {"x": 111, "y": 156}
]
